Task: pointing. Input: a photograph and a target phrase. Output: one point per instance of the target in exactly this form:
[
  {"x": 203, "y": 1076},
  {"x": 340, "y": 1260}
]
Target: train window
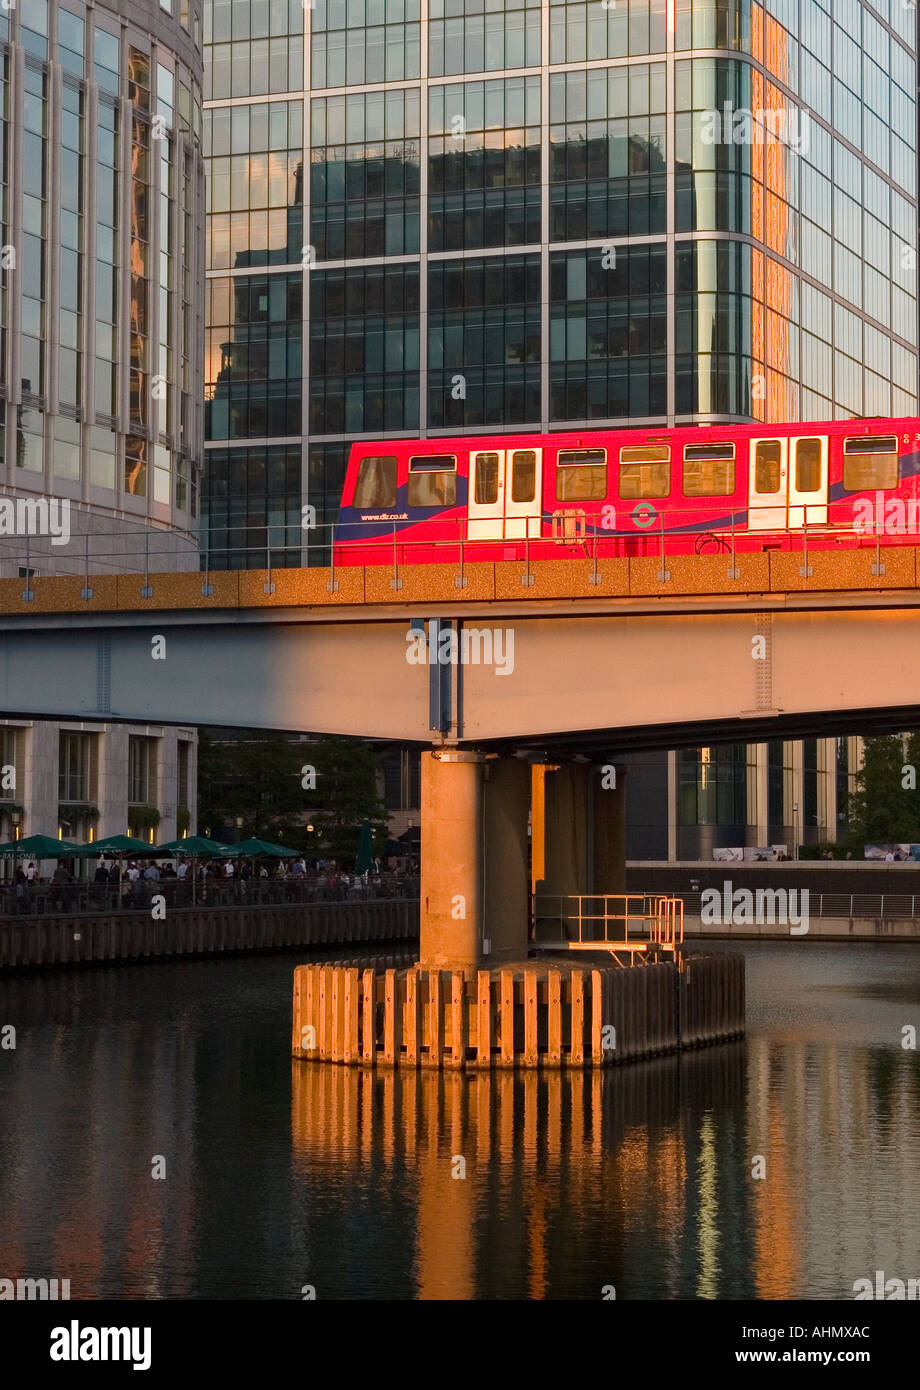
[
  {"x": 581, "y": 475},
  {"x": 645, "y": 471},
  {"x": 870, "y": 463},
  {"x": 433, "y": 481},
  {"x": 709, "y": 470},
  {"x": 808, "y": 465},
  {"x": 768, "y": 455},
  {"x": 708, "y": 451},
  {"x": 523, "y": 475},
  {"x": 486, "y": 486},
  {"x": 376, "y": 485}
]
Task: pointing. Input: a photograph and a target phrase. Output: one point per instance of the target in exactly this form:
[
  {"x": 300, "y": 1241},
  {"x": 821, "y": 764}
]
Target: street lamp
[
  {"x": 239, "y": 826},
  {"x": 16, "y": 822},
  {"x": 795, "y": 829}
]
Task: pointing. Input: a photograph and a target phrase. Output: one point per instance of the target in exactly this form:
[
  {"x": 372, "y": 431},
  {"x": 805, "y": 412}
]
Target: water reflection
[
  {"x": 280, "y": 1174},
  {"x": 573, "y": 1181}
]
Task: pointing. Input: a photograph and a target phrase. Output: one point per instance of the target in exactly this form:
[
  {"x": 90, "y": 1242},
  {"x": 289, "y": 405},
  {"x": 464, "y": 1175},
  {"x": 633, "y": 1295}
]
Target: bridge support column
[
  {"x": 579, "y": 829},
  {"x": 608, "y": 787},
  {"x": 559, "y": 833},
  {"x": 474, "y": 889},
  {"x": 507, "y": 888},
  {"x": 451, "y": 872}
]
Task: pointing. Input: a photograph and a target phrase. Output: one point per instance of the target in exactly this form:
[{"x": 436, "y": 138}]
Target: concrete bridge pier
[
  {"x": 578, "y": 829},
  {"x": 474, "y": 884},
  {"x": 474, "y": 998}
]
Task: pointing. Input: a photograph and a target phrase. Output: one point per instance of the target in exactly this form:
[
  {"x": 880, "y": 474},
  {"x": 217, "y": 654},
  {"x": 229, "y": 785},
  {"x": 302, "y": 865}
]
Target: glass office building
[
  {"x": 474, "y": 215},
  {"x": 101, "y": 360},
  {"x": 101, "y": 275}
]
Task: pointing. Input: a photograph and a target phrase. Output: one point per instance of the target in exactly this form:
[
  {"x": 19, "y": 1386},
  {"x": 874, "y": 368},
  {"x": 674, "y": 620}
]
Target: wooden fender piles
[{"x": 530, "y": 1015}]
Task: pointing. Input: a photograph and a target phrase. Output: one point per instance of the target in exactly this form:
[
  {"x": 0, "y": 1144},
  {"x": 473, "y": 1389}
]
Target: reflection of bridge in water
[{"x": 465, "y": 1152}]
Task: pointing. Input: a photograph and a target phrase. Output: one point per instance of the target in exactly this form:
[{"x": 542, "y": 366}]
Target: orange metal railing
[{"x": 631, "y": 922}]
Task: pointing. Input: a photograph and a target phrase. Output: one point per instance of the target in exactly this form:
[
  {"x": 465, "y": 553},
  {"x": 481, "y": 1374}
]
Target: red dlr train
[{"x": 629, "y": 492}]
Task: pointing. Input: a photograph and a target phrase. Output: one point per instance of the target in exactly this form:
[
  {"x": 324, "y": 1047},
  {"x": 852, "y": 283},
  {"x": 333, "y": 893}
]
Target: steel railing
[
  {"x": 873, "y": 905},
  {"x": 610, "y": 921},
  {"x": 285, "y": 545},
  {"x": 47, "y": 899}
]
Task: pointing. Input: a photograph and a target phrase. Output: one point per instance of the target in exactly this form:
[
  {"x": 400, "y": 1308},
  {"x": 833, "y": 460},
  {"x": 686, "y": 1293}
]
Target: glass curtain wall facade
[
  {"x": 101, "y": 343},
  {"x": 101, "y": 301},
  {"x": 484, "y": 214},
  {"x": 658, "y": 212}
]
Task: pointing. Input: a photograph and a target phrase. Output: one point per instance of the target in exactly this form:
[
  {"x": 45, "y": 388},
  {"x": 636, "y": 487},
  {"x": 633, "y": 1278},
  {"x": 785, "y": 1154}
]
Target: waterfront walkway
[{"x": 43, "y": 898}]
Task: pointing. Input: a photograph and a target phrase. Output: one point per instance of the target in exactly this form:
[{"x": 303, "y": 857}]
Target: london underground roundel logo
[{"x": 644, "y": 514}]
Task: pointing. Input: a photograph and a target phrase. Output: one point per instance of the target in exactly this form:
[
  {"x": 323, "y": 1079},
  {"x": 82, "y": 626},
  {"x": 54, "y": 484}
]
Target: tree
[
  {"x": 346, "y": 795},
  {"x": 883, "y": 810},
  {"x": 255, "y": 775},
  {"x": 260, "y": 777}
]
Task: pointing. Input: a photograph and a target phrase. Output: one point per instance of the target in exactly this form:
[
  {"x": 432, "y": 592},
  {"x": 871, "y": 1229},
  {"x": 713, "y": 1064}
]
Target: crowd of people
[{"x": 131, "y": 884}]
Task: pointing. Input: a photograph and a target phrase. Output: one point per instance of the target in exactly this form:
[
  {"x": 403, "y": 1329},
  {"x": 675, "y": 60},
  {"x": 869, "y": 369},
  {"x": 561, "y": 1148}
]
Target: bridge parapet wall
[{"x": 861, "y": 568}]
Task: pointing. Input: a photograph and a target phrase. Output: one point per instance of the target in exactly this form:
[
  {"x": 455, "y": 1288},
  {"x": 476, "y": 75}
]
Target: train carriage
[{"x": 628, "y": 492}]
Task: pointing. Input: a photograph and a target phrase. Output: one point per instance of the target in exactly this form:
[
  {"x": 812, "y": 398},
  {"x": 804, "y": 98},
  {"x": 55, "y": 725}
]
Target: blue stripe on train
[{"x": 352, "y": 526}]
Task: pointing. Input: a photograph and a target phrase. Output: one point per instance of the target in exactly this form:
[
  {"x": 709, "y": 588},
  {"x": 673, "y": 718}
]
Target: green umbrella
[
  {"x": 194, "y": 845},
  {"x": 117, "y": 844},
  {"x": 364, "y": 859},
  {"x": 41, "y": 847},
  {"x": 256, "y": 847}
]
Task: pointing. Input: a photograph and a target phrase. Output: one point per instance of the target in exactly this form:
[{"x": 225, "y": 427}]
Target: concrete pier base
[{"x": 550, "y": 1013}]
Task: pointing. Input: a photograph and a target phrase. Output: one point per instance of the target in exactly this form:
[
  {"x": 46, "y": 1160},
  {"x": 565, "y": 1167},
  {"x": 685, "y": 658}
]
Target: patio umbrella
[
  {"x": 117, "y": 844},
  {"x": 197, "y": 845},
  {"x": 364, "y": 859},
  {"x": 256, "y": 847},
  {"x": 41, "y": 847}
]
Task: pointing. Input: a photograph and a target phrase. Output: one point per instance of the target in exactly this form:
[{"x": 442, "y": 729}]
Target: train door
[
  {"x": 787, "y": 483},
  {"x": 808, "y": 482},
  {"x": 505, "y": 495}
]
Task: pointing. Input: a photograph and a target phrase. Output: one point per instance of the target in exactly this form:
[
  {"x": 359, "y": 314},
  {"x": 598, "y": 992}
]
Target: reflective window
[
  {"x": 808, "y": 465},
  {"x": 581, "y": 475},
  {"x": 483, "y": 35},
  {"x": 645, "y": 471},
  {"x": 870, "y": 464},
  {"x": 484, "y": 341},
  {"x": 376, "y": 485},
  {"x": 583, "y": 29},
  {"x": 768, "y": 455},
  {"x": 486, "y": 489},
  {"x": 252, "y": 498},
  {"x": 433, "y": 481},
  {"x": 484, "y": 164},
  {"x": 355, "y": 42},
  {"x": 364, "y": 349},
  {"x": 253, "y": 366},
  {"x": 365, "y": 174},
  {"x": 709, "y": 470},
  {"x": 254, "y": 184},
  {"x": 523, "y": 475},
  {"x": 70, "y": 42},
  {"x": 608, "y": 333},
  {"x": 607, "y": 152},
  {"x": 266, "y": 52}
]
